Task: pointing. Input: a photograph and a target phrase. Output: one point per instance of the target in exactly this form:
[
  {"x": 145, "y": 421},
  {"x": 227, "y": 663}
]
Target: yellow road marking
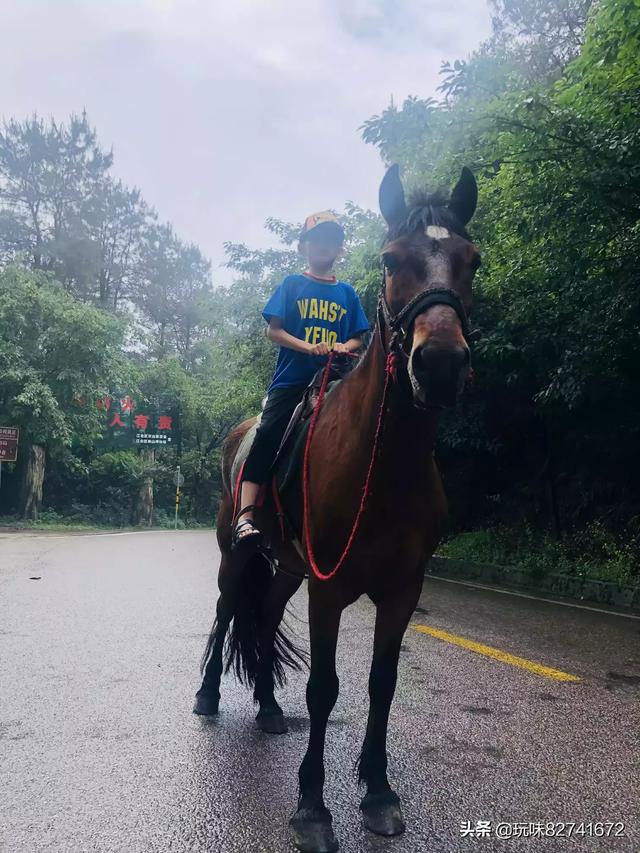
[{"x": 497, "y": 654}]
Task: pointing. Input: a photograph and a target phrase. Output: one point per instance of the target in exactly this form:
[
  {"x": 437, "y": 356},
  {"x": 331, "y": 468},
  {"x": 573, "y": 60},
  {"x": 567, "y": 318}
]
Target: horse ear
[
  {"x": 391, "y": 195},
  {"x": 464, "y": 197}
]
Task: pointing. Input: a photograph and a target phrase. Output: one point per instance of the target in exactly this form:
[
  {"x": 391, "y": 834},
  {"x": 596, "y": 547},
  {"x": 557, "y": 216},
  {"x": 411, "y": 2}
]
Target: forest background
[{"x": 101, "y": 302}]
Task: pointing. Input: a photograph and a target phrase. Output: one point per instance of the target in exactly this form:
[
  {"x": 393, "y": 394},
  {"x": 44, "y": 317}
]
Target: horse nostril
[
  {"x": 436, "y": 359},
  {"x": 439, "y": 370}
]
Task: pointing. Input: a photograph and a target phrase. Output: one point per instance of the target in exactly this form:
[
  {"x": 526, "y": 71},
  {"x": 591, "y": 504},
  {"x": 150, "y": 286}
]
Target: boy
[{"x": 308, "y": 315}]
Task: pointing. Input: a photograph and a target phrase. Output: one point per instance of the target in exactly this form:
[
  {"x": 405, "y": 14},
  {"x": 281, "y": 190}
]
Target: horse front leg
[
  {"x": 272, "y": 659},
  {"x": 381, "y": 805},
  {"x": 311, "y": 824}
]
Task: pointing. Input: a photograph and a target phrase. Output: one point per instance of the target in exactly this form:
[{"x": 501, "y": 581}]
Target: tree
[
  {"x": 554, "y": 139},
  {"x": 544, "y": 35},
  {"x": 116, "y": 221},
  {"x": 46, "y": 173},
  {"x": 177, "y": 297},
  {"x": 56, "y": 357}
]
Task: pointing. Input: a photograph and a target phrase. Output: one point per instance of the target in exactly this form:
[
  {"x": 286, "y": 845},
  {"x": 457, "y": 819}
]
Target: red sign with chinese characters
[
  {"x": 9, "y": 443},
  {"x": 129, "y": 422}
]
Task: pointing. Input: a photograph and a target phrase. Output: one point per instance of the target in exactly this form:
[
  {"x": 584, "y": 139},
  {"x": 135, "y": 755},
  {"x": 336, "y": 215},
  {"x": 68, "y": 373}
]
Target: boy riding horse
[{"x": 309, "y": 315}]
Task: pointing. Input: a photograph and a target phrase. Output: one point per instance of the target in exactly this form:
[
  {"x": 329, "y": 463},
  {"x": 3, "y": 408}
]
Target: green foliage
[
  {"x": 546, "y": 114},
  {"x": 120, "y": 470},
  {"x": 50, "y": 519},
  {"x": 592, "y": 552},
  {"x": 55, "y": 355}
]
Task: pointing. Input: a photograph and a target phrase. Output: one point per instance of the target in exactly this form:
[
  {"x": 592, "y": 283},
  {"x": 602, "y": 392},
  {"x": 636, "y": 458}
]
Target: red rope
[{"x": 390, "y": 371}]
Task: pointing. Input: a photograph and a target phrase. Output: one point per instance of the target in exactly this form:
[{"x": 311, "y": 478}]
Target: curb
[{"x": 563, "y": 587}]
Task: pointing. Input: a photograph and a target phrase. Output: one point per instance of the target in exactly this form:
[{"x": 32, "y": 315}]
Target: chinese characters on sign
[
  {"x": 9, "y": 443},
  {"x": 129, "y": 423}
]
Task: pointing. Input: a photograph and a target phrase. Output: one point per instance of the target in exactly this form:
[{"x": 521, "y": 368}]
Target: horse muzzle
[{"x": 438, "y": 374}]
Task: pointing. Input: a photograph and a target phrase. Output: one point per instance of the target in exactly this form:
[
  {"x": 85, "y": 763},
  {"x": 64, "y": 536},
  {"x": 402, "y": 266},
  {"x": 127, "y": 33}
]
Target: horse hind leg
[
  {"x": 208, "y": 696},
  {"x": 275, "y": 651}
]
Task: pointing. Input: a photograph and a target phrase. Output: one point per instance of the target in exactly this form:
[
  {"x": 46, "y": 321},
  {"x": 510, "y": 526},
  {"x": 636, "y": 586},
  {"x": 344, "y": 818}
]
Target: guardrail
[{"x": 560, "y": 586}]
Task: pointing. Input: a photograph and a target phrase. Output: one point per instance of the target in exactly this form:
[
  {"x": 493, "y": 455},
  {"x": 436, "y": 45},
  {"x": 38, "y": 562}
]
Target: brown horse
[{"x": 418, "y": 353}]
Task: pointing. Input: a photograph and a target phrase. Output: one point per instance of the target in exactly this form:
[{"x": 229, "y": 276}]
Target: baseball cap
[{"x": 324, "y": 221}]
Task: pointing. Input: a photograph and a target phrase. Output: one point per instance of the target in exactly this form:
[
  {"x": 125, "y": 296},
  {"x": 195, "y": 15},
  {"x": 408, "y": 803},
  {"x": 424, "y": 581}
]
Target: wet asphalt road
[{"x": 99, "y": 750}]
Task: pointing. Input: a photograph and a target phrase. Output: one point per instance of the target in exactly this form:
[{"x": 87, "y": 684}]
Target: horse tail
[
  {"x": 245, "y": 594},
  {"x": 242, "y": 648},
  {"x": 223, "y": 534}
]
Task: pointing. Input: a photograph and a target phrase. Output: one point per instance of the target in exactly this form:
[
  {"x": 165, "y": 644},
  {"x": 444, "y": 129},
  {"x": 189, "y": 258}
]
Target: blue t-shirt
[{"x": 314, "y": 311}]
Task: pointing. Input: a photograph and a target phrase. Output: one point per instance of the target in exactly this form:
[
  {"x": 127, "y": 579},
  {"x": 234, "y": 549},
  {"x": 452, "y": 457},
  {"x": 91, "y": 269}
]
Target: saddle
[{"x": 289, "y": 455}]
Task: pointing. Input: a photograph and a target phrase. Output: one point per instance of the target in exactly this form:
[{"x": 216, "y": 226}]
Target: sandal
[{"x": 244, "y": 530}]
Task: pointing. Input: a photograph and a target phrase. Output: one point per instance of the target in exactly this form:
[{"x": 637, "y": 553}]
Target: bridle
[{"x": 399, "y": 324}]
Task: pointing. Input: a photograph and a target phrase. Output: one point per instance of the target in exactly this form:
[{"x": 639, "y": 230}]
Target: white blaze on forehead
[{"x": 437, "y": 232}]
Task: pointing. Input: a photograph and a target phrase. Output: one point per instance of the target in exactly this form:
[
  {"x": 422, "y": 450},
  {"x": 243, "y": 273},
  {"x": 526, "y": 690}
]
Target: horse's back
[
  {"x": 233, "y": 447},
  {"x": 230, "y": 448}
]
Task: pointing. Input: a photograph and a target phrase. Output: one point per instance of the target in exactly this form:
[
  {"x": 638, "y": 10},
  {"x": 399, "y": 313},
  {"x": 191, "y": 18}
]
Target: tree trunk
[
  {"x": 32, "y": 480},
  {"x": 143, "y": 506}
]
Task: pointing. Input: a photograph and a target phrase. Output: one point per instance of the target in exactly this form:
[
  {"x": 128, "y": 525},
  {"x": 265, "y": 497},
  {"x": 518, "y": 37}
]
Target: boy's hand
[
  {"x": 338, "y": 347},
  {"x": 319, "y": 349}
]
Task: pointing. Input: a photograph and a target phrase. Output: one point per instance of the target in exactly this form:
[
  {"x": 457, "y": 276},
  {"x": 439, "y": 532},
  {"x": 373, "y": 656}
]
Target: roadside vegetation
[{"x": 592, "y": 552}]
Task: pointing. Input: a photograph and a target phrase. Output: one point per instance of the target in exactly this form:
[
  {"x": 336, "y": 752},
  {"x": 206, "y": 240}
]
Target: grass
[
  {"x": 591, "y": 553},
  {"x": 51, "y": 520}
]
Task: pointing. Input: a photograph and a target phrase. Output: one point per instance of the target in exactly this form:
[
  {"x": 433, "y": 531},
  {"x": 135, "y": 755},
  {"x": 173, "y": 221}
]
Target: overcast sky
[{"x": 225, "y": 113}]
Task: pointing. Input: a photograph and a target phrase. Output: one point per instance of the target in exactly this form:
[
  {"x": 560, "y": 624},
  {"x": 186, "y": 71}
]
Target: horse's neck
[{"x": 408, "y": 436}]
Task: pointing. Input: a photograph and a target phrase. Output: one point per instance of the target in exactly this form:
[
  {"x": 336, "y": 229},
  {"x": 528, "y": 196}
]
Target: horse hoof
[
  {"x": 382, "y": 814},
  {"x": 311, "y": 834},
  {"x": 206, "y": 704},
  {"x": 272, "y": 722}
]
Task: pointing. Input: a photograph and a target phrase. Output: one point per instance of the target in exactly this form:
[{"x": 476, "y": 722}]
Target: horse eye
[{"x": 391, "y": 261}]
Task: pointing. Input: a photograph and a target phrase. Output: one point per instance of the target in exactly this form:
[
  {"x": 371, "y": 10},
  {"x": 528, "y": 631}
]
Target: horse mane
[{"x": 428, "y": 209}]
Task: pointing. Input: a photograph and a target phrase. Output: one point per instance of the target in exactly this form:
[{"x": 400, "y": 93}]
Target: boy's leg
[
  {"x": 276, "y": 415},
  {"x": 248, "y": 496}
]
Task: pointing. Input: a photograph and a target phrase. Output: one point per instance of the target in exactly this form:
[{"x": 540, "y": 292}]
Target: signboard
[
  {"x": 136, "y": 423},
  {"x": 9, "y": 443}
]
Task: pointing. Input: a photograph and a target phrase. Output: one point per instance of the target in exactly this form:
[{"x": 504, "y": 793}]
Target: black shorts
[{"x": 276, "y": 415}]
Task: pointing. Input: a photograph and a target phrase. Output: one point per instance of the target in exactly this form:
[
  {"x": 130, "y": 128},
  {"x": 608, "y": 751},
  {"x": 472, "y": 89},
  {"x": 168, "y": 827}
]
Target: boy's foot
[{"x": 244, "y": 530}]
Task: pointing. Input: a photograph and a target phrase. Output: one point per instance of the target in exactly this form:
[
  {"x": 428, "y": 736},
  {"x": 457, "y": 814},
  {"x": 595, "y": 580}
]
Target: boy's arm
[
  {"x": 277, "y": 334},
  {"x": 359, "y": 325},
  {"x": 351, "y": 345}
]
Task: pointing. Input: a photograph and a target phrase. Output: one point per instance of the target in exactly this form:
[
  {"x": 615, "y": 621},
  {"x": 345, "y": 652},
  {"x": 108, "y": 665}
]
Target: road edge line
[{"x": 533, "y": 597}]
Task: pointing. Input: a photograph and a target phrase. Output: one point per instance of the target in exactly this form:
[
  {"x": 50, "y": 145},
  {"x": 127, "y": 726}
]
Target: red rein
[{"x": 389, "y": 375}]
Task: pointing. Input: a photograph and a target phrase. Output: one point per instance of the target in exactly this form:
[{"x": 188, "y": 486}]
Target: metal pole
[{"x": 175, "y": 523}]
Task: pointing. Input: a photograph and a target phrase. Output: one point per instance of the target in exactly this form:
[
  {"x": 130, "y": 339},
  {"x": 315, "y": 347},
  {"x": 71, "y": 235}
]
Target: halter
[{"x": 400, "y": 323}]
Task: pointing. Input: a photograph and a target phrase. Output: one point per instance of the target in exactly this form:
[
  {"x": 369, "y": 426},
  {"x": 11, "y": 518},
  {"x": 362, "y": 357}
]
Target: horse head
[{"x": 429, "y": 265}]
